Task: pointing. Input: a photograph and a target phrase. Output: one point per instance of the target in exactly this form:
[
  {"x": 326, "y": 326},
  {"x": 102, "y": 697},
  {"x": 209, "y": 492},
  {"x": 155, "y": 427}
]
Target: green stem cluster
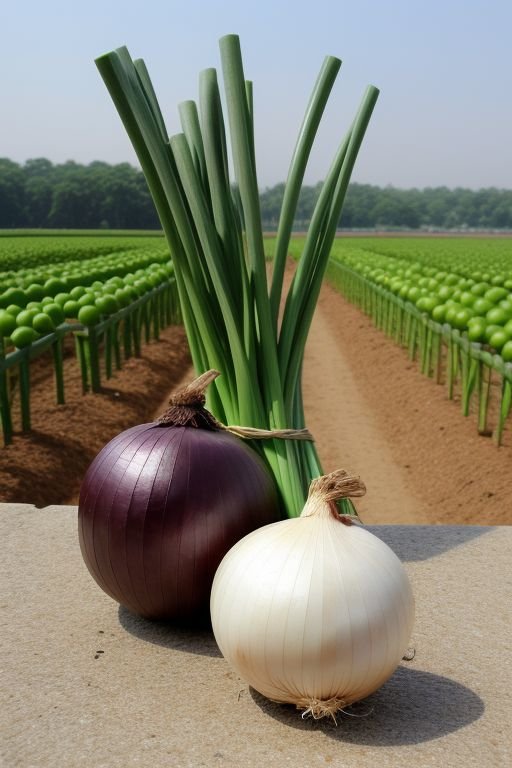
[{"x": 231, "y": 314}]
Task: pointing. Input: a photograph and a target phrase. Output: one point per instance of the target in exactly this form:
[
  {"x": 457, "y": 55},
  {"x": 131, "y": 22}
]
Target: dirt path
[
  {"x": 373, "y": 412},
  {"x": 347, "y": 433}
]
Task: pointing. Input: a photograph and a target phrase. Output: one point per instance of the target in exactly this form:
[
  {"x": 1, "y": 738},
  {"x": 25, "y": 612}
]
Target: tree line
[
  {"x": 372, "y": 207},
  {"x": 40, "y": 194}
]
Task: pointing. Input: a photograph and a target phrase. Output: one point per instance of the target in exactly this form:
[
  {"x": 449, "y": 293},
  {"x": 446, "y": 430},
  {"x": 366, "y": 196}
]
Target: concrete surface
[{"x": 86, "y": 684}]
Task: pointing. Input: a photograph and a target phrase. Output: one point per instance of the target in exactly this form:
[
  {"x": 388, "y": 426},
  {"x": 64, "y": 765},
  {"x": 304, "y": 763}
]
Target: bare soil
[
  {"x": 373, "y": 412},
  {"x": 369, "y": 408},
  {"x": 46, "y": 465}
]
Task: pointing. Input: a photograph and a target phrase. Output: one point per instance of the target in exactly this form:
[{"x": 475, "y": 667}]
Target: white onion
[{"x": 313, "y": 611}]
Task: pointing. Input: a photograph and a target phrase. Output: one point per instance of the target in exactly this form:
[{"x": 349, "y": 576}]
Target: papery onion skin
[
  {"x": 160, "y": 506},
  {"x": 311, "y": 610}
]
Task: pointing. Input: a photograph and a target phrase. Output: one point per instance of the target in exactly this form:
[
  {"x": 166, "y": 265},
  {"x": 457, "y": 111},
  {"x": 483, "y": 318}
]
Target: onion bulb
[
  {"x": 314, "y": 611},
  {"x": 162, "y": 503}
]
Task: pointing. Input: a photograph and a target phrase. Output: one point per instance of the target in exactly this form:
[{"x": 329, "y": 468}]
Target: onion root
[{"x": 317, "y": 709}]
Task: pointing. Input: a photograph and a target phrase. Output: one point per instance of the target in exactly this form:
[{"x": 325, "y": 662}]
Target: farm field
[
  {"x": 366, "y": 402},
  {"x": 448, "y": 302},
  {"x": 110, "y": 294}
]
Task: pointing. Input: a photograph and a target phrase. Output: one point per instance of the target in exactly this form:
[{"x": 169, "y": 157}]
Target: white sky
[{"x": 444, "y": 116}]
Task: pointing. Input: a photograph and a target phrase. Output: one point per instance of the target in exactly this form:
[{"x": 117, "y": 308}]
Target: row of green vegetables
[
  {"x": 433, "y": 313},
  {"x": 109, "y": 318},
  {"x": 465, "y": 256},
  {"x": 470, "y": 291},
  {"x": 35, "y": 300},
  {"x": 40, "y": 252}
]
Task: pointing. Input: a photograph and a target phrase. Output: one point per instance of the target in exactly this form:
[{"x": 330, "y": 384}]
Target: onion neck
[
  {"x": 325, "y": 491},
  {"x": 187, "y": 406}
]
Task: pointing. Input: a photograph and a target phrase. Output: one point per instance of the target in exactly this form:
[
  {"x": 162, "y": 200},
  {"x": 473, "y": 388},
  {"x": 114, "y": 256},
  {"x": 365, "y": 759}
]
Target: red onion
[{"x": 162, "y": 503}]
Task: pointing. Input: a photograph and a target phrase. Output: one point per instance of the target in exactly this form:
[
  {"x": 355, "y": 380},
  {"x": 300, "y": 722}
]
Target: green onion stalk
[{"x": 213, "y": 228}]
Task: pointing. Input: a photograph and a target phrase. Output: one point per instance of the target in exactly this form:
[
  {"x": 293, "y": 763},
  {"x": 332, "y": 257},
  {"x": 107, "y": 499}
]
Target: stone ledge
[{"x": 88, "y": 685}]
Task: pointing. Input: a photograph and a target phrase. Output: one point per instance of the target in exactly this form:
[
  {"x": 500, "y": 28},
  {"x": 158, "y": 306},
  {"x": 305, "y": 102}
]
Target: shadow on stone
[
  {"x": 198, "y": 640},
  {"x": 421, "y": 542},
  {"x": 412, "y": 707}
]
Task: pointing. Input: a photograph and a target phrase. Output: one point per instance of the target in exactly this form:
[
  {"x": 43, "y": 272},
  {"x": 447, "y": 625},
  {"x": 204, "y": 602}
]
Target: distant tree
[
  {"x": 74, "y": 203},
  {"x": 38, "y": 200},
  {"x": 38, "y": 166},
  {"x": 306, "y": 205},
  {"x": 500, "y": 216},
  {"x": 125, "y": 202},
  {"x": 270, "y": 202},
  {"x": 359, "y": 204},
  {"x": 12, "y": 194}
]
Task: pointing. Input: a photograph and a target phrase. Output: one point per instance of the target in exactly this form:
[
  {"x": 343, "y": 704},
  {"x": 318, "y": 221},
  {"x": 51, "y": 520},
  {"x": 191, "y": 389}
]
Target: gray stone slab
[{"x": 85, "y": 684}]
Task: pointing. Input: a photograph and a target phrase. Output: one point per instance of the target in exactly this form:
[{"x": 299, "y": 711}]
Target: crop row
[
  {"x": 22, "y": 252},
  {"x": 459, "y": 323},
  {"x": 477, "y": 302},
  {"x": 110, "y": 303}
]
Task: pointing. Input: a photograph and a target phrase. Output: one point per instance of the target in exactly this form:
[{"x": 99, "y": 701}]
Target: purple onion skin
[{"x": 159, "y": 508}]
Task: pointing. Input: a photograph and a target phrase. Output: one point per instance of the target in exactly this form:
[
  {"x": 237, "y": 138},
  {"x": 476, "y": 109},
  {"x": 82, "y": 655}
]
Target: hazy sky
[{"x": 444, "y": 68}]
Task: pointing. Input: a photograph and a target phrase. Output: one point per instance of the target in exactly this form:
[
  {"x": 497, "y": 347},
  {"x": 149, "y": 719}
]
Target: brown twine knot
[{"x": 186, "y": 409}]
